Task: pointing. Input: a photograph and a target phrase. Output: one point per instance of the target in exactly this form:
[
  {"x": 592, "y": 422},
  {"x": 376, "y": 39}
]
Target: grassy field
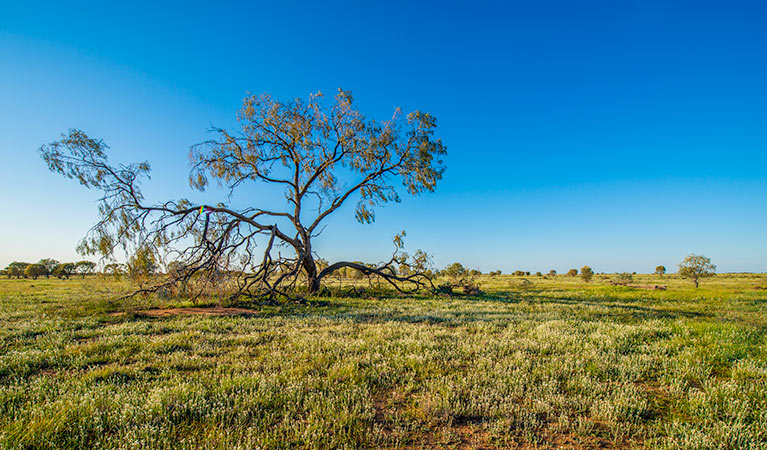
[{"x": 559, "y": 364}]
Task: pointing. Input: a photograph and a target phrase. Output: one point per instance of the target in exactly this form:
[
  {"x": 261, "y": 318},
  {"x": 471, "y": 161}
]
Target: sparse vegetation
[
  {"x": 572, "y": 273},
  {"x": 587, "y": 274}
]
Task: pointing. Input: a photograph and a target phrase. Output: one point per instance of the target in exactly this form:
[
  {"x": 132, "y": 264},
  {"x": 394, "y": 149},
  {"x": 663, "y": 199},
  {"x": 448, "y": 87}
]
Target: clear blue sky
[{"x": 619, "y": 134}]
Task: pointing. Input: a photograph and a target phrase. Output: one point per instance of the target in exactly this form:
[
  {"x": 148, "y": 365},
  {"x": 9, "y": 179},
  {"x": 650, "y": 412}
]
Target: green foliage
[
  {"x": 660, "y": 270},
  {"x": 455, "y": 271},
  {"x": 85, "y": 267},
  {"x": 587, "y": 274},
  {"x": 572, "y": 273},
  {"x": 445, "y": 288},
  {"x": 49, "y": 264},
  {"x": 142, "y": 265},
  {"x": 16, "y": 269},
  {"x": 34, "y": 270},
  {"x": 552, "y": 272},
  {"x": 116, "y": 270},
  {"x": 696, "y": 267},
  {"x": 64, "y": 270}
]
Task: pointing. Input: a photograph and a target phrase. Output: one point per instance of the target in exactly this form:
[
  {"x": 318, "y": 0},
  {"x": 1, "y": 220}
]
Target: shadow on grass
[{"x": 458, "y": 310}]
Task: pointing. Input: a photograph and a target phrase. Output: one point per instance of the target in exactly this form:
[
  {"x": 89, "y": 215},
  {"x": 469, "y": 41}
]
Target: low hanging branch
[{"x": 322, "y": 156}]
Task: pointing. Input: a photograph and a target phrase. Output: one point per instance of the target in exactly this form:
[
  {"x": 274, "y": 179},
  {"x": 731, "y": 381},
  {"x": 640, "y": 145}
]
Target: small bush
[
  {"x": 445, "y": 288},
  {"x": 624, "y": 278}
]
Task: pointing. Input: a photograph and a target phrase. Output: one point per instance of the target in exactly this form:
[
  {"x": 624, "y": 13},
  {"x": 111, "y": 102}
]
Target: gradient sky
[{"x": 618, "y": 134}]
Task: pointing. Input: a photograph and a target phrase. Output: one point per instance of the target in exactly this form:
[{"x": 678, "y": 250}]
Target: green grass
[{"x": 561, "y": 364}]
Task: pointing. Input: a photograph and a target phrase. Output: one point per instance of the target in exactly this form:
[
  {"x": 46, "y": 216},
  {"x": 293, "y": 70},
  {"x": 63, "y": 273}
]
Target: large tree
[{"x": 322, "y": 155}]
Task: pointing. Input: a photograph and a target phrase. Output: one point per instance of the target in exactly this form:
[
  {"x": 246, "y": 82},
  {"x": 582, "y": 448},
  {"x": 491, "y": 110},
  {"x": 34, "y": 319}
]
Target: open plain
[{"x": 549, "y": 363}]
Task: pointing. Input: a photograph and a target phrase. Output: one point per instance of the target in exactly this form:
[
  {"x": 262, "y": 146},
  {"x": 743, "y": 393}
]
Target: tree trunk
[
  {"x": 696, "y": 283},
  {"x": 313, "y": 281}
]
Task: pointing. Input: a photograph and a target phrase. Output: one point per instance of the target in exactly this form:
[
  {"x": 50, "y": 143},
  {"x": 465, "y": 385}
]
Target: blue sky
[{"x": 621, "y": 135}]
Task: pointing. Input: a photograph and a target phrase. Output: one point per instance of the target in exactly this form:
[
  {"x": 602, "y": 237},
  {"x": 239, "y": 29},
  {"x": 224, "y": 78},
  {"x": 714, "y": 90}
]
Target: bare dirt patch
[{"x": 211, "y": 311}]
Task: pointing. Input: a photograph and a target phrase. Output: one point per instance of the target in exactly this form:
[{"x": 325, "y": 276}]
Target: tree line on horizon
[
  {"x": 47, "y": 267},
  {"x": 694, "y": 267}
]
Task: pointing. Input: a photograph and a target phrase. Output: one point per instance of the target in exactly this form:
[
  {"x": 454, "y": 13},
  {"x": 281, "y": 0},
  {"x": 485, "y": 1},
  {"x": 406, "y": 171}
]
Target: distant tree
[
  {"x": 696, "y": 267},
  {"x": 660, "y": 270},
  {"x": 572, "y": 273},
  {"x": 16, "y": 269},
  {"x": 538, "y": 274},
  {"x": 117, "y": 269},
  {"x": 49, "y": 264},
  {"x": 455, "y": 271},
  {"x": 552, "y": 272},
  {"x": 624, "y": 278},
  {"x": 495, "y": 273},
  {"x": 34, "y": 270},
  {"x": 85, "y": 267},
  {"x": 519, "y": 273},
  {"x": 142, "y": 264},
  {"x": 586, "y": 273},
  {"x": 421, "y": 262},
  {"x": 64, "y": 270},
  {"x": 475, "y": 273}
]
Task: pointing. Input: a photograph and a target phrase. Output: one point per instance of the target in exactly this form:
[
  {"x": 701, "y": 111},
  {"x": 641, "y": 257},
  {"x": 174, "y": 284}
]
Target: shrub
[
  {"x": 471, "y": 288},
  {"x": 586, "y": 273},
  {"x": 624, "y": 278},
  {"x": 445, "y": 288},
  {"x": 455, "y": 271},
  {"x": 572, "y": 273}
]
